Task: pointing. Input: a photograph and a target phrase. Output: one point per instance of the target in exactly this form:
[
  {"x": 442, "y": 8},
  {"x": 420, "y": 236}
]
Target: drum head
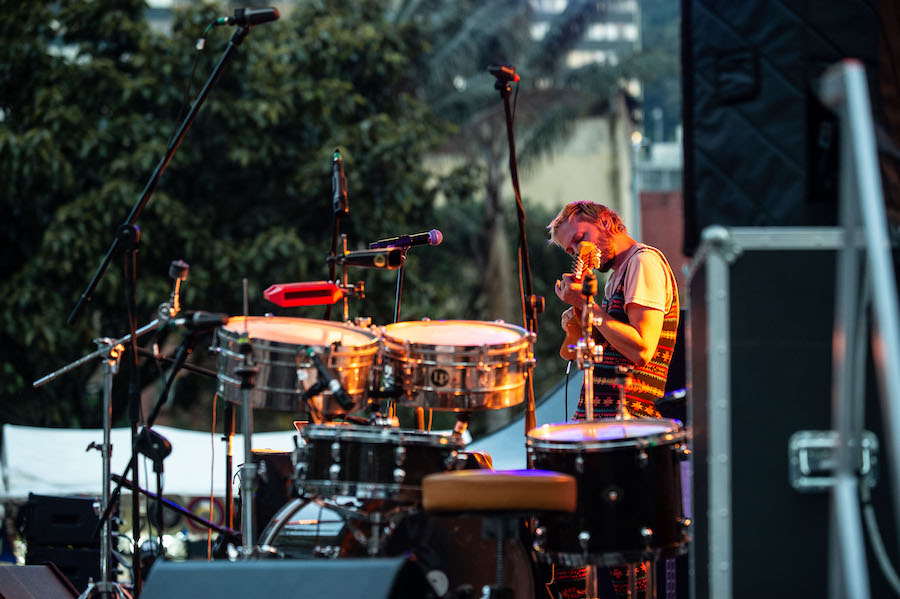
[
  {"x": 299, "y": 331},
  {"x": 455, "y": 333},
  {"x": 606, "y": 433}
]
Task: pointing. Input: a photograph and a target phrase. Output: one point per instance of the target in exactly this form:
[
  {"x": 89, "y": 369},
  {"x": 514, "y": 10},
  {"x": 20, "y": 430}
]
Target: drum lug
[
  {"x": 584, "y": 539},
  {"x": 334, "y": 472},
  {"x": 336, "y": 451},
  {"x": 451, "y": 462},
  {"x": 647, "y": 535},
  {"x": 399, "y": 455},
  {"x": 684, "y": 453},
  {"x": 399, "y": 475},
  {"x": 642, "y": 459},
  {"x": 579, "y": 464},
  {"x": 540, "y": 538}
]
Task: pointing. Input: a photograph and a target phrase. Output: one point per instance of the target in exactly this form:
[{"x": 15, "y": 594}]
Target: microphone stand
[
  {"x": 181, "y": 354},
  {"x": 399, "y": 285},
  {"x": 532, "y": 305},
  {"x": 239, "y": 34},
  {"x": 341, "y": 207}
]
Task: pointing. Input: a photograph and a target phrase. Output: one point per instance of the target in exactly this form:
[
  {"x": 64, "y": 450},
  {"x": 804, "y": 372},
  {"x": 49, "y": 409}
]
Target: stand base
[{"x": 105, "y": 590}]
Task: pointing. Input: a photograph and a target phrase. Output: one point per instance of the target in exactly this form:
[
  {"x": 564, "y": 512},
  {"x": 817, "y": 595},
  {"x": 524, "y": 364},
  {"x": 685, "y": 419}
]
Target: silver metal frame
[
  {"x": 863, "y": 218},
  {"x": 720, "y": 248}
]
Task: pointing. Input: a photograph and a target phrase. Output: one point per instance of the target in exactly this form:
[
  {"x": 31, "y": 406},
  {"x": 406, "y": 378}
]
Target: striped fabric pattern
[{"x": 648, "y": 382}]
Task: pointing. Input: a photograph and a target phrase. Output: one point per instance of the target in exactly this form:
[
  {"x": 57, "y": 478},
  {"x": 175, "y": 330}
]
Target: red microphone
[{"x": 314, "y": 293}]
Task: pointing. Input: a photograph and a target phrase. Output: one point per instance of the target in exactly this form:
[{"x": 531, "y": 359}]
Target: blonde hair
[{"x": 597, "y": 214}]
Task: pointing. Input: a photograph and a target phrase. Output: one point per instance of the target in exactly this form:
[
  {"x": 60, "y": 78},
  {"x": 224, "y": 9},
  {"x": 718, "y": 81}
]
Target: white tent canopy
[{"x": 54, "y": 461}]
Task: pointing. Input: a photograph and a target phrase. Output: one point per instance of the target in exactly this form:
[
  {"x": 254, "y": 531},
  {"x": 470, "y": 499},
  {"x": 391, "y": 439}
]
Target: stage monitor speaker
[
  {"x": 34, "y": 582},
  {"x": 52, "y": 520},
  {"x": 759, "y": 148},
  {"x": 351, "y": 578},
  {"x": 77, "y": 564}
]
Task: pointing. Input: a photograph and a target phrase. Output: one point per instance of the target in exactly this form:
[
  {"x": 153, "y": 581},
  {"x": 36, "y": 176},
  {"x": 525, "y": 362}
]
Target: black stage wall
[{"x": 759, "y": 150}]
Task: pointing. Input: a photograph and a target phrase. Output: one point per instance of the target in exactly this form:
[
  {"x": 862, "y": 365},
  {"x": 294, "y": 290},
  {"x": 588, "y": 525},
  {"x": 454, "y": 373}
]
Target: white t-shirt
[{"x": 647, "y": 279}]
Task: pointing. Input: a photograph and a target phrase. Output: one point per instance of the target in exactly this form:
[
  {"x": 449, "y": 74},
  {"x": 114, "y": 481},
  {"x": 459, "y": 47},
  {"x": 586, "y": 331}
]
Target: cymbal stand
[
  {"x": 106, "y": 587},
  {"x": 587, "y": 352}
]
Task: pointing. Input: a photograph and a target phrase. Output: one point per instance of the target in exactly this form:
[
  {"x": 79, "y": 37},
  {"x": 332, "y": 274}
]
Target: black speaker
[
  {"x": 759, "y": 148},
  {"x": 49, "y": 520},
  {"x": 34, "y": 582},
  {"x": 376, "y": 578}
]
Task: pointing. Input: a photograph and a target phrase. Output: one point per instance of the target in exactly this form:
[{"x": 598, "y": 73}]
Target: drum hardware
[
  {"x": 247, "y": 375},
  {"x": 156, "y": 447},
  {"x": 110, "y": 352},
  {"x": 226, "y": 531}
]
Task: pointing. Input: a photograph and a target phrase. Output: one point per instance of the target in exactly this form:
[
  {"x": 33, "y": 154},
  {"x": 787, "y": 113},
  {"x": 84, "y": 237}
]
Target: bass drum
[{"x": 450, "y": 550}]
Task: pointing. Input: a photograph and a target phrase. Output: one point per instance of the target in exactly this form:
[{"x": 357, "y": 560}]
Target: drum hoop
[
  {"x": 394, "y": 436},
  {"x": 469, "y": 391},
  {"x": 401, "y": 344},
  {"x": 678, "y": 435}
]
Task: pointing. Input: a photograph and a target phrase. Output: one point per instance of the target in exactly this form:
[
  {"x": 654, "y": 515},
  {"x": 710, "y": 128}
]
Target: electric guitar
[{"x": 587, "y": 257}]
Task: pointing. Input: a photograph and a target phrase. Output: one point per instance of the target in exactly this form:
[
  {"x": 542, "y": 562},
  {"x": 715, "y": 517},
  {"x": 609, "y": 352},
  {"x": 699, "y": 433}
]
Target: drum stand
[{"x": 247, "y": 374}]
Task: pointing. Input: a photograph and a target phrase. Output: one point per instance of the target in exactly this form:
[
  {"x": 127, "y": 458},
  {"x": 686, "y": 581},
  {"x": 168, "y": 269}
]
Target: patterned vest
[{"x": 648, "y": 382}]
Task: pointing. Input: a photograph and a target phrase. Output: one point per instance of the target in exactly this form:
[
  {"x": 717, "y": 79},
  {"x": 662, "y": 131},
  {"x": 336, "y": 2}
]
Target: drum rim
[
  {"x": 677, "y": 433},
  {"x": 358, "y": 432},
  {"x": 524, "y": 340}
]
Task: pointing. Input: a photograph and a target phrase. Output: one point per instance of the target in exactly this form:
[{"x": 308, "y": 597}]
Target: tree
[{"x": 90, "y": 97}]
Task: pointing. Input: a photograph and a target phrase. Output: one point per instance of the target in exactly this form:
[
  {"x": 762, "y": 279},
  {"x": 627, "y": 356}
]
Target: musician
[{"x": 636, "y": 320}]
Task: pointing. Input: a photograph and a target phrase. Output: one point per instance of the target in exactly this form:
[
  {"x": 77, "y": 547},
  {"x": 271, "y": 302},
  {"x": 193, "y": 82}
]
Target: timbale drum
[
  {"x": 457, "y": 365},
  {"x": 285, "y": 370}
]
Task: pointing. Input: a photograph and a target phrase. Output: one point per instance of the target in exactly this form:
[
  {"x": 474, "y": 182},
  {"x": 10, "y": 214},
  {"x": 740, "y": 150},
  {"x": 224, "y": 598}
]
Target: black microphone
[
  {"x": 249, "y": 17},
  {"x": 340, "y": 200},
  {"x": 201, "y": 321},
  {"x": 390, "y": 258},
  {"x": 504, "y": 72},
  {"x": 432, "y": 237},
  {"x": 332, "y": 384}
]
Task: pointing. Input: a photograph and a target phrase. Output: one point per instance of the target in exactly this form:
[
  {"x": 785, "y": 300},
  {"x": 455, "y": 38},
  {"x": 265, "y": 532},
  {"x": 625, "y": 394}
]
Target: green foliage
[{"x": 90, "y": 98}]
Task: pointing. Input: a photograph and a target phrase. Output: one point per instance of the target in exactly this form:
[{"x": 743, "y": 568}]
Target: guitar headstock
[{"x": 587, "y": 257}]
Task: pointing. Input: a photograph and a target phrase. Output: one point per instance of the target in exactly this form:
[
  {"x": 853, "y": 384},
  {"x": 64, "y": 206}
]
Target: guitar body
[
  {"x": 587, "y": 257},
  {"x": 573, "y": 334}
]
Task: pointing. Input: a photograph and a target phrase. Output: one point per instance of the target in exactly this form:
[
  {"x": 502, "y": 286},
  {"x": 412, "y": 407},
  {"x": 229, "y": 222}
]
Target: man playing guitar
[{"x": 637, "y": 318}]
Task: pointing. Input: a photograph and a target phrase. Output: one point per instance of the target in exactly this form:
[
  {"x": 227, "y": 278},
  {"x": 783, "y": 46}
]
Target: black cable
[{"x": 200, "y": 45}]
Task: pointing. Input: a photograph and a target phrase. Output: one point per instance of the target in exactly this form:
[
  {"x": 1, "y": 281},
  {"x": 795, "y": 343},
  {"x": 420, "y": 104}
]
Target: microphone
[
  {"x": 201, "y": 321},
  {"x": 389, "y": 258},
  {"x": 328, "y": 381},
  {"x": 315, "y": 293},
  {"x": 340, "y": 200},
  {"x": 249, "y": 17},
  {"x": 432, "y": 237},
  {"x": 504, "y": 72}
]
